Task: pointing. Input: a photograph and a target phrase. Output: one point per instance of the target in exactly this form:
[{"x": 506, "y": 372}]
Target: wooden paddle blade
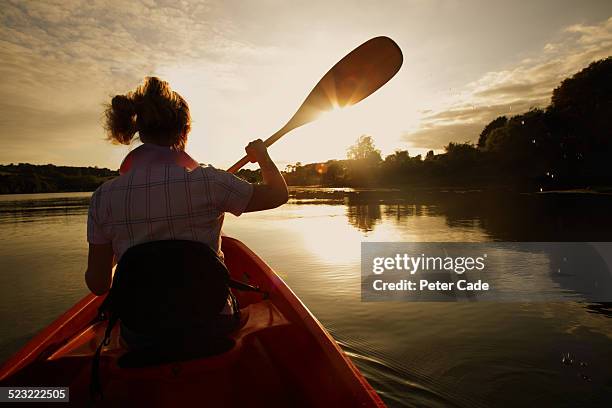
[{"x": 355, "y": 77}]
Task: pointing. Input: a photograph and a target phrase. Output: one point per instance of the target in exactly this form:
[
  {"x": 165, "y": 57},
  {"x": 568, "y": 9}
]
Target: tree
[
  {"x": 399, "y": 157},
  {"x": 364, "y": 149},
  {"x": 520, "y": 135},
  {"x": 460, "y": 156},
  {"x": 582, "y": 106},
  {"x": 525, "y": 148},
  {"x": 335, "y": 174},
  {"x": 460, "y": 149},
  {"x": 494, "y": 124}
]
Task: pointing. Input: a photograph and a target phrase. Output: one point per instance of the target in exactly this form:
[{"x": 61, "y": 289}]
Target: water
[{"x": 414, "y": 354}]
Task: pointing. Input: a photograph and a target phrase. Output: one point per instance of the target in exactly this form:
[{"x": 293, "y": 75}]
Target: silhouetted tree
[
  {"x": 581, "y": 113},
  {"x": 494, "y": 124},
  {"x": 364, "y": 149},
  {"x": 399, "y": 167},
  {"x": 30, "y": 178},
  {"x": 335, "y": 174},
  {"x": 583, "y": 104},
  {"x": 252, "y": 176},
  {"x": 398, "y": 158}
]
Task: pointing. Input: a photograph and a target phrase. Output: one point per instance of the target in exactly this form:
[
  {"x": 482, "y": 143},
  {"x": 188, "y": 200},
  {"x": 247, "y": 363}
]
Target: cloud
[
  {"x": 438, "y": 136},
  {"x": 463, "y": 123},
  {"x": 62, "y": 59},
  {"x": 515, "y": 90}
]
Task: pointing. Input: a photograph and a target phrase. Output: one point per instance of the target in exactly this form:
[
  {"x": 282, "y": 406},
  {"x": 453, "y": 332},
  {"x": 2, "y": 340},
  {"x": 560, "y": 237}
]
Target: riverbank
[{"x": 24, "y": 178}]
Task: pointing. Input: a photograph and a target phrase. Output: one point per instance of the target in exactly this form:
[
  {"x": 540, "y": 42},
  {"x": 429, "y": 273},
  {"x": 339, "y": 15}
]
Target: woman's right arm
[{"x": 273, "y": 191}]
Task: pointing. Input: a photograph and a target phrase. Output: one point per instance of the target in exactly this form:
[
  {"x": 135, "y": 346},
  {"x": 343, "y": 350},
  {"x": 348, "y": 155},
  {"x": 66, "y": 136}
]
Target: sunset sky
[{"x": 245, "y": 66}]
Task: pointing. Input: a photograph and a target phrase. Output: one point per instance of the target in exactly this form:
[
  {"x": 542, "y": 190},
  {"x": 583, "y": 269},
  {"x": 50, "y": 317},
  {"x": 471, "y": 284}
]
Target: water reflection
[
  {"x": 30, "y": 207},
  {"x": 363, "y": 216},
  {"x": 602, "y": 308},
  {"x": 390, "y": 216},
  {"x": 511, "y": 217}
]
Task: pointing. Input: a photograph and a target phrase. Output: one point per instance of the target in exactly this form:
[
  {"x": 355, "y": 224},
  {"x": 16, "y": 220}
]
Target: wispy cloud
[
  {"x": 62, "y": 59},
  {"x": 514, "y": 90}
]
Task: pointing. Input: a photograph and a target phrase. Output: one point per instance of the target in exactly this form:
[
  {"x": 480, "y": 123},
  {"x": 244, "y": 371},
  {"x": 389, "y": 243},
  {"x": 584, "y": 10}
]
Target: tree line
[
  {"x": 568, "y": 144},
  {"x": 48, "y": 178}
]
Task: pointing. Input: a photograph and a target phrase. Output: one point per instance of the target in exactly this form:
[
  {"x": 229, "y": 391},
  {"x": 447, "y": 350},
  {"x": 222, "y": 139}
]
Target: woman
[{"x": 162, "y": 193}]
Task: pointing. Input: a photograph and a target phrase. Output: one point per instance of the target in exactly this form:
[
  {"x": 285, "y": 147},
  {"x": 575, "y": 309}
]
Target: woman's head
[{"x": 156, "y": 112}]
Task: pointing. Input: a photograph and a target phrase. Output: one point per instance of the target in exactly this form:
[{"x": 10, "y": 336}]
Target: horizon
[{"x": 465, "y": 64}]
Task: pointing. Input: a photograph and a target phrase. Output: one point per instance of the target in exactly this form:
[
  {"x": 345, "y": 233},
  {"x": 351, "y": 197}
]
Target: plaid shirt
[{"x": 158, "y": 198}]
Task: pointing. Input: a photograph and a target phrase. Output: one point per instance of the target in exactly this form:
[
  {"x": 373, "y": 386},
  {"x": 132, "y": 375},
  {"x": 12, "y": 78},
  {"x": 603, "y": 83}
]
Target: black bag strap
[{"x": 95, "y": 387}]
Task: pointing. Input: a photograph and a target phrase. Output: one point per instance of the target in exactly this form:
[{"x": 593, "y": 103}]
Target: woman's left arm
[{"x": 100, "y": 262}]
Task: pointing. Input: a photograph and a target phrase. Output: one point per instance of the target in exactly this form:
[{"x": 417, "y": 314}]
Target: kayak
[{"x": 280, "y": 357}]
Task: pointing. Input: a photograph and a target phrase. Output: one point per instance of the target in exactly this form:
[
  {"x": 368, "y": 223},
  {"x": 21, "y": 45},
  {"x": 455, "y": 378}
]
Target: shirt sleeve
[
  {"x": 95, "y": 233},
  {"x": 230, "y": 193}
]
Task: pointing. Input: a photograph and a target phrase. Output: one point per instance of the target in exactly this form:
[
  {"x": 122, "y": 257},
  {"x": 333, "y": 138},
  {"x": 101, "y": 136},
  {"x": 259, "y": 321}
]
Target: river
[{"x": 413, "y": 353}]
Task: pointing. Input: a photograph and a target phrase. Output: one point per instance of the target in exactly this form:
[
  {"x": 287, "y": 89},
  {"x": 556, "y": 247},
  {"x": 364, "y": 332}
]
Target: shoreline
[{"x": 298, "y": 189}]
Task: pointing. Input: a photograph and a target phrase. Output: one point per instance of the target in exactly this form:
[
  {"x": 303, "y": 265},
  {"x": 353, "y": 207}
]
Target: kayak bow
[{"x": 281, "y": 356}]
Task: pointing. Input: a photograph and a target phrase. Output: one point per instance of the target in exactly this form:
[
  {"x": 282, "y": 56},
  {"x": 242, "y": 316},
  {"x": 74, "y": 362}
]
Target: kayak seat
[
  {"x": 254, "y": 318},
  {"x": 185, "y": 351},
  {"x": 191, "y": 348}
]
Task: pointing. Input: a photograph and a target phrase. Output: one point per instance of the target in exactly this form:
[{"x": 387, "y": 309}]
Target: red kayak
[{"x": 280, "y": 357}]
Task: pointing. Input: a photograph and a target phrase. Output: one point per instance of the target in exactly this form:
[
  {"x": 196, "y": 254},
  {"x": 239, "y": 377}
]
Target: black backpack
[{"x": 165, "y": 288}]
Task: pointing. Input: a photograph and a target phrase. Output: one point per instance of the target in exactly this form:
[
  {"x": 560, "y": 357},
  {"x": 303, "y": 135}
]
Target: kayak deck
[{"x": 281, "y": 356}]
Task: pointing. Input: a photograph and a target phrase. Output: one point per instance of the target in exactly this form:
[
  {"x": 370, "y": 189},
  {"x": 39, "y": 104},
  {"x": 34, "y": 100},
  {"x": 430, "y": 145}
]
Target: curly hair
[{"x": 159, "y": 115}]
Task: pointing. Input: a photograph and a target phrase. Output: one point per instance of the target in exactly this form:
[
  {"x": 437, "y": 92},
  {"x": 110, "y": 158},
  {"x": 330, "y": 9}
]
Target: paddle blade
[{"x": 352, "y": 79}]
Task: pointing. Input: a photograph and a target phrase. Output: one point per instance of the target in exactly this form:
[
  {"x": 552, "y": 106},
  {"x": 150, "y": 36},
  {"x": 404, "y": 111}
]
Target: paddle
[{"x": 353, "y": 78}]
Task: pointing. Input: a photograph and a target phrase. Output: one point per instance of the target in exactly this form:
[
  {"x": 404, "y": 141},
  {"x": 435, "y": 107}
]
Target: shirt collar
[{"x": 149, "y": 154}]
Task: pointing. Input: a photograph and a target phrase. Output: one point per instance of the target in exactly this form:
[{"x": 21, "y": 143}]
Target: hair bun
[
  {"x": 154, "y": 86},
  {"x": 121, "y": 119},
  {"x": 123, "y": 104},
  {"x": 153, "y": 110}
]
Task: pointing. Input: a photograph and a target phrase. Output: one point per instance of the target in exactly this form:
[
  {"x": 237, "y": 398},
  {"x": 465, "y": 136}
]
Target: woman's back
[{"x": 158, "y": 198}]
